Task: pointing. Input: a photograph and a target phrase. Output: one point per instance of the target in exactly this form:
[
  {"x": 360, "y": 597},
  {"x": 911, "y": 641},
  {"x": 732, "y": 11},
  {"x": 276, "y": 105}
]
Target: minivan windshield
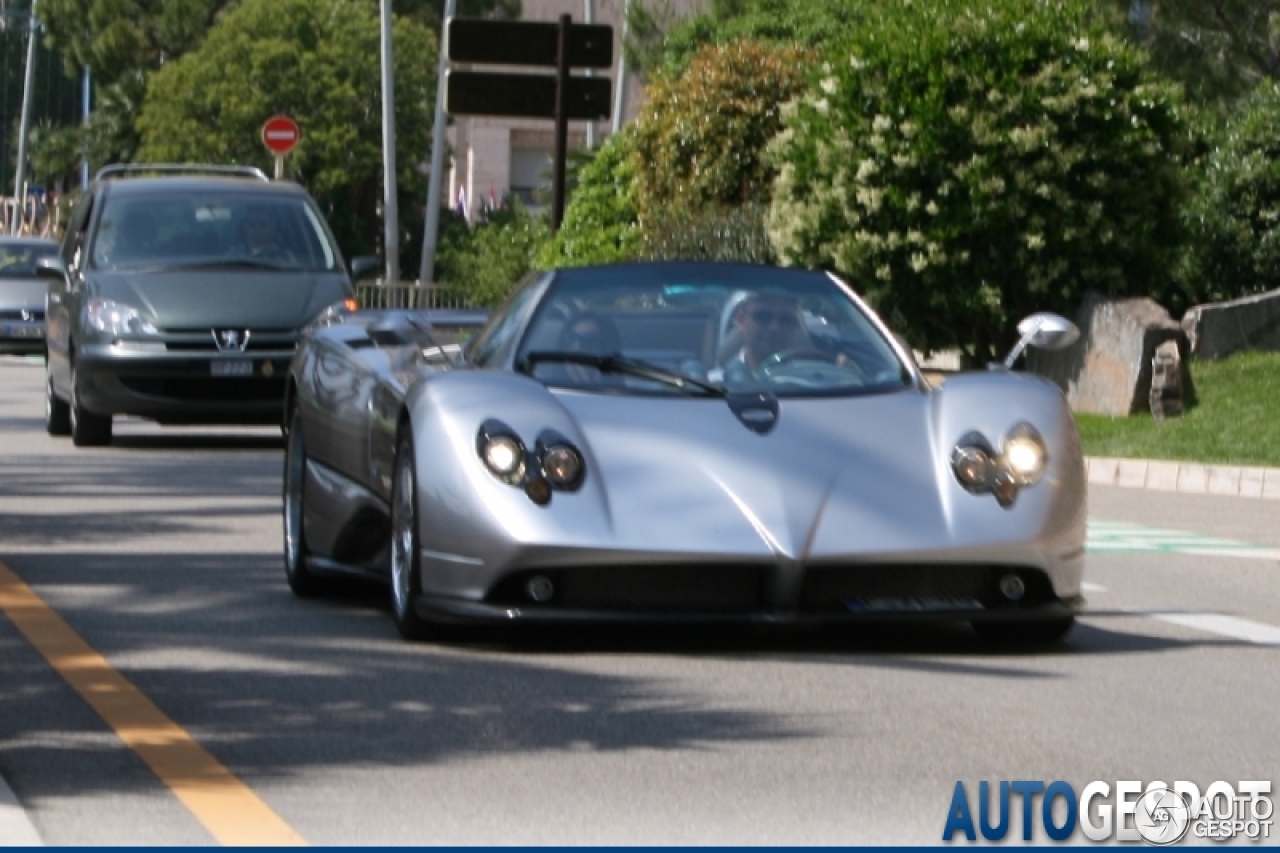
[{"x": 226, "y": 230}]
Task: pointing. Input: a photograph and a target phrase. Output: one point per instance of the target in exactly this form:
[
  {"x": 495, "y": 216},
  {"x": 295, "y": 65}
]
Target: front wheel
[
  {"x": 302, "y": 581},
  {"x": 87, "y": 429},
  {"x": 57, "y": 414},
  {"x": 406, "y": 579},
  {"x": 1018, "y": 633}
]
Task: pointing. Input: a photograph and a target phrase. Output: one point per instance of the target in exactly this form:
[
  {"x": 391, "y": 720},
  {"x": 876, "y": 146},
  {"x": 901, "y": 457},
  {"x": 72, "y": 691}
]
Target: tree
[
  {"x": 1218, "y": 49},
  {"x": 973, "y": 162},
  {"x": 1234, "y": 216},
  {"x": 318, "y": 62},
  {"x": 600, "y": 224}
]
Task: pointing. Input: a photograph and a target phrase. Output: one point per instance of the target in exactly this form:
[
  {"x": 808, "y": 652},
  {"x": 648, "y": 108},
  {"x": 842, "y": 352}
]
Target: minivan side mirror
[
  {"x": 52, "y": 269},
  {"x": 364, "y": 266},
  {"x": 1043, "y": 331}
]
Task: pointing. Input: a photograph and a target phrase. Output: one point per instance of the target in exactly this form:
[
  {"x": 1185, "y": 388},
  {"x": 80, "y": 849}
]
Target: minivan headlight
[{"x": 115, "y": 318}]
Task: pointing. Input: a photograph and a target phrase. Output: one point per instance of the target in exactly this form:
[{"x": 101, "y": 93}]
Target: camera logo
[{"x": 1162, "y": 817}]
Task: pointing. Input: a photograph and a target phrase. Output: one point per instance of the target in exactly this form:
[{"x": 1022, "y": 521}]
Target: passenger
[{"x": 259, "y": 238}]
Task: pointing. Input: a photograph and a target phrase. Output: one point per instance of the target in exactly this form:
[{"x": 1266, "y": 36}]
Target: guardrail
[{"x": 407, "y": 294}]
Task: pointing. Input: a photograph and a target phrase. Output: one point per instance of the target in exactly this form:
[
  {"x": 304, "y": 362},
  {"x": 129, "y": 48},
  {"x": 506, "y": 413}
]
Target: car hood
[
  {"x": 835, "y": 476},
  {"x": 264, "y": 300},
  {"x": 22, "y": 293}
]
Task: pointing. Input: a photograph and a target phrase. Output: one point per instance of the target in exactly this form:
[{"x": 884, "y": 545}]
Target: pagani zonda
[{"x": 680, "y": 441}]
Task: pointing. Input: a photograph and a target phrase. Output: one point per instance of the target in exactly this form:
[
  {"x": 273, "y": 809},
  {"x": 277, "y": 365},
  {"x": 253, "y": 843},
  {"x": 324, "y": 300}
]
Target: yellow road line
[{"x": 227, "y": 807}]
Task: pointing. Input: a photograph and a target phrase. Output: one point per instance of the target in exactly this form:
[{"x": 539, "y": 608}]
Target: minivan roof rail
[{"x": 121, "y": 169}]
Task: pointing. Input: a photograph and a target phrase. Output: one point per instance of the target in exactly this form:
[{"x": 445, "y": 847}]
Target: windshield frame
[{"x": 734, "y": 277}]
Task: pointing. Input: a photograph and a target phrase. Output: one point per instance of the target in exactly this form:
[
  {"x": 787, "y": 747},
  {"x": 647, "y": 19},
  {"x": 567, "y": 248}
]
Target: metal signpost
[
  {"x": 560, "y": 97},
  {"x": 280, "y": 134}
]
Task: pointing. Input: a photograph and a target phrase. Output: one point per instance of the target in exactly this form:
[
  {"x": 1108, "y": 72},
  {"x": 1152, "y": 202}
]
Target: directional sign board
[
  {"x": 482, "y": 93},
  {"x": 280, "y": 134},
  {"x": 527, "y": 43}
]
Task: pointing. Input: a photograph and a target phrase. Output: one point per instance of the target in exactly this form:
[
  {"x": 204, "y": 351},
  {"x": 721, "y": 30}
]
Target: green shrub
[
  {"x": 1234, "y": 216},
  {"x": 972, "y": 162},
  {"x": 701, "y": 136},
  {"x": 600, "y": 224},
  {"x": 711, "y": 233},
  {"x": 484, "y": 263}
]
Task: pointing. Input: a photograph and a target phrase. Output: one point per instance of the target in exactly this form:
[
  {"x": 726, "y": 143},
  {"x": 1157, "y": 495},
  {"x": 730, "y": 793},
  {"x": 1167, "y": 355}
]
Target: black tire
[
  {"x": 1015, "y": 633},
  {"x": 302, "y": 580},
  {"x": 57, "y": 414},
  {"x": 406, "y": 569},
  {"x": 87, "y": 429}
]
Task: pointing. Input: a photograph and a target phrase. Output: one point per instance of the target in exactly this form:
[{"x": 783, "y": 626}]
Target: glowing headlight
[
  {"x": 562, "y": 465},
  {"x": 1025, "y": 454},
  {"x": 973, "y": 465},
  {"x": 113, "y": 318},
  {"x": 504, "y": 454}
]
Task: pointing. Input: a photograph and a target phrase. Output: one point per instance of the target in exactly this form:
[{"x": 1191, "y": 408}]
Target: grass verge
[{"x": 1236, "y": 421}]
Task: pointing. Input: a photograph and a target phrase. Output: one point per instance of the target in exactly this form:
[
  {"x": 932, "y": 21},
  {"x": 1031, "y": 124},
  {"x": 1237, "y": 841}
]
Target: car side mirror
[
  {"x": 1043, "y": 331},
  {"x": 52, "y": 269},
  {"x": 364, "y": 266}
]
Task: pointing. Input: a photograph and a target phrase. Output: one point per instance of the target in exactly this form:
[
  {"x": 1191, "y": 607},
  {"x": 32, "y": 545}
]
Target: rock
[
  {"x": 1219, "y": 329},
  {"x": 1166, "y": 381},
  {"x": 1108, "y": 370}
]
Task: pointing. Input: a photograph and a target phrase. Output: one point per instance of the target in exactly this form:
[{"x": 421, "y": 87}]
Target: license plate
[
  {"x": 231, "y": 368},
  {"x": 22, "y": 331}
]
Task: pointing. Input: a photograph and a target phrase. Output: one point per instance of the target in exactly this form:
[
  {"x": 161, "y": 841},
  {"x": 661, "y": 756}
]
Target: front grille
[
  {"x": 207, "y": 389},
  {"x": 254, "y": 345},
  {"x": 33, "y": 315},
  {"x": 916, "y": 587},
  {"x": 695, "y": 588},
  {"x": 201, "y": 340}
]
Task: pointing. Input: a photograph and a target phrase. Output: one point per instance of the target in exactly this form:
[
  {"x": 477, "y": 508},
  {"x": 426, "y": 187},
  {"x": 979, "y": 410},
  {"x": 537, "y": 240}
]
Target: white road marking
[
  {"x": 1093, "y": 587},
  {"x": 15, "y": 827},
  {"x": 1228, "y": 626}
]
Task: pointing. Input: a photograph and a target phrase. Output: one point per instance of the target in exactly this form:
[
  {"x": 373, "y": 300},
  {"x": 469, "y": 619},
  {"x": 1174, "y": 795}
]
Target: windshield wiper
[{"x": 621, "y": 364}]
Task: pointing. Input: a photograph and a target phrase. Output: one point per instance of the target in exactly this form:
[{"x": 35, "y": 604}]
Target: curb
[
  {"x": 15, "y": 827},
  {"x": 1185, "y": 477}
]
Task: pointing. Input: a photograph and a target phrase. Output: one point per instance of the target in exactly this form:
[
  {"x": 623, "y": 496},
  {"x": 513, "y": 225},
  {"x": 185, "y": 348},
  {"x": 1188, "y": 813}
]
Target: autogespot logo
[{"x": 1156, "y": 813}]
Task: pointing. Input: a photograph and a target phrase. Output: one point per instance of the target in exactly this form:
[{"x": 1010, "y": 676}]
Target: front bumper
[
  {"x": 753, "y": 594},
  {"x": 21, "y": 335},
  {"x": 184, "y": 387}
]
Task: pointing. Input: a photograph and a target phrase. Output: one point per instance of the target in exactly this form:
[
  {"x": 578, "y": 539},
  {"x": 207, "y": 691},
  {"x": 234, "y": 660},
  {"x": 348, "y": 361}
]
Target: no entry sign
[{"x": 280, "y": 134}]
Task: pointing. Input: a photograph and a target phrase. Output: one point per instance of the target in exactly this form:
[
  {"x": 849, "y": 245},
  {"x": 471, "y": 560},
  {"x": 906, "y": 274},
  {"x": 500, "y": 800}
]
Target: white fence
[{"x": 406, "y": 294}]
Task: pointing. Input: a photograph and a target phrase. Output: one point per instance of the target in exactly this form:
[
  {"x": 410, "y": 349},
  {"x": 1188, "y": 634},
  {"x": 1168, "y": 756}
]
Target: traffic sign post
[
  {"x": 561, "y": 97},
  {"x": 280, "y": 134}
]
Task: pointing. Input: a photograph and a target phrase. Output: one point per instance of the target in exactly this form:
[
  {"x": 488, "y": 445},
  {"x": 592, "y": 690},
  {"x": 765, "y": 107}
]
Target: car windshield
[
  {"x": 736, "y": 328},
  {"x": 226, "y": 230},
  {"x": 18, "y": 260}
]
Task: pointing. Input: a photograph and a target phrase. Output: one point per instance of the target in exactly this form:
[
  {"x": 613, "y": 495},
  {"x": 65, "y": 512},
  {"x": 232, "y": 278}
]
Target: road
[{"x": 162, "y": 554}]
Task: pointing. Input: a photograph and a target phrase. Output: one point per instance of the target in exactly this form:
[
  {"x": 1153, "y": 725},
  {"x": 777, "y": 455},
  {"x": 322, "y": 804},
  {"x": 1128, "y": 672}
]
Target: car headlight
[
  {"x": 332, "y": 315},
  {"x": 114, "y": 318},
  {"x": 502, "y": 452},
  {"x": 1025, "y": 454},
  {"x": 563, "y": 465},
  {"x": 974, "y": 463}
]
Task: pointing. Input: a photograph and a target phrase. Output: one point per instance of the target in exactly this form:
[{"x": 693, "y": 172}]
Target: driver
[{"x": 769, "y": 323}]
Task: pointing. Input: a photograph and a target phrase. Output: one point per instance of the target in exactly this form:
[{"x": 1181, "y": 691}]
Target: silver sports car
[{"x": 680, "y": 441}]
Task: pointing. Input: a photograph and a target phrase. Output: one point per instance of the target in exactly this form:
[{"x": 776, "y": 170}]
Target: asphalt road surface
[{"x": 149, "y": 573}]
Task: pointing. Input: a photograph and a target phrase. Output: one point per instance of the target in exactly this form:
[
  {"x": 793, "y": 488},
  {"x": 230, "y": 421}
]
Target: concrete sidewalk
[{"x": 1186, "y": 477}]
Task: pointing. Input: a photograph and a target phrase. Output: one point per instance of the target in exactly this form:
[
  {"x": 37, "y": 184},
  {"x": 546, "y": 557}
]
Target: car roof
[{"x": 152, "y": 184}]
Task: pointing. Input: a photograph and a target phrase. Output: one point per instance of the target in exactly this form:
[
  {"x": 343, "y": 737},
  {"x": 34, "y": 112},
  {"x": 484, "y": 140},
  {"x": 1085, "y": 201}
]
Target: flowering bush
[
  {"x": 1234, "y": 218},
  {"x": 972, "y": 162}
]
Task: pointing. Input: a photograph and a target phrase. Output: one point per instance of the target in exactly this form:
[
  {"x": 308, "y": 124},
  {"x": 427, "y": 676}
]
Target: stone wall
[{"x": 1219, "y": 329}]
